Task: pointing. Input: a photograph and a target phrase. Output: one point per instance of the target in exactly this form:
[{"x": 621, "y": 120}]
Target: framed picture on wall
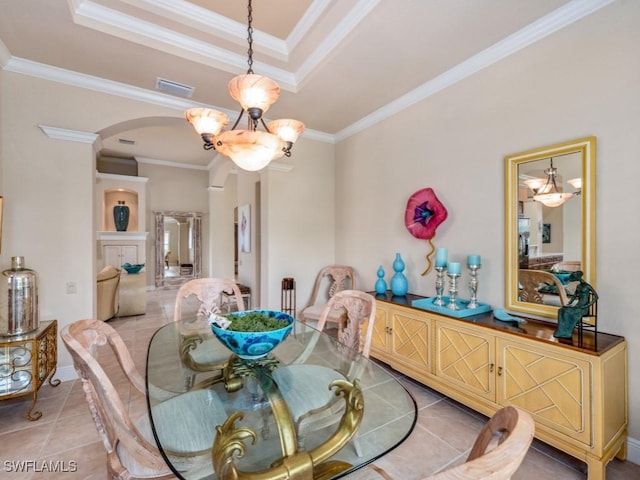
[
  {"x": 244, "y": 228},
  {"x": 546, "y": 233}
]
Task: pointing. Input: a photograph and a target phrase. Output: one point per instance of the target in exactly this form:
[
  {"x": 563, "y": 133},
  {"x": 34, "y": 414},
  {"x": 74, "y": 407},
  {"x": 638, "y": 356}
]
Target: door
[
  {"x": 553, "y": 387},
  {"x": 466, "y": 358}
]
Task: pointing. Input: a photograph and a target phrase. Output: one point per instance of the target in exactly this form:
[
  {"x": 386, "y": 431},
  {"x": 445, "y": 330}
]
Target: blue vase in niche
[
  {"x": 381, "y": 285},
  {"x": 121, "y": 216},
  {"x": 399, "y": 284}
]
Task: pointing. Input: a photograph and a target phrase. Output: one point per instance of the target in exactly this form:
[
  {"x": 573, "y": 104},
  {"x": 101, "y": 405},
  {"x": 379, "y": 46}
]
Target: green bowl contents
[
  {"x": 255, "y": 322},
  {"x": 253, "y": 334}
]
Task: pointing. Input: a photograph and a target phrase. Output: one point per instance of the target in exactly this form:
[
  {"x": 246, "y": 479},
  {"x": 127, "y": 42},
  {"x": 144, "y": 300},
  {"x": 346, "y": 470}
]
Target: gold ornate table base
[{"x": 294, "y": 465}]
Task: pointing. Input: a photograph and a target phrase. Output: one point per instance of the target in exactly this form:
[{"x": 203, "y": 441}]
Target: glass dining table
[{"x": 253, "y": 434}]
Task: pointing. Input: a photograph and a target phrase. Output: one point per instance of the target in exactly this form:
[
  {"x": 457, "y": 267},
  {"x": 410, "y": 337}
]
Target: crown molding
[
  {"x": 69, "y": 135},
  {"x": 112, "y": 22},
  {"x": 207, "y": 21},
  {"x": 335, "y": 37},
  {"x": 81, "y": 80},
  {"x": 550, "y": 23},
  {"x": 310, "y": 17}
]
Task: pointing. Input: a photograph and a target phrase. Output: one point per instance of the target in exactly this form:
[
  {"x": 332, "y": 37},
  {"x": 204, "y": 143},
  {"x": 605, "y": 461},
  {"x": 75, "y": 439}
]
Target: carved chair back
[
  {"x": 532, "y": 281},
  {"x": 84, "y": 339},
  {"x": 339, "y": 277},
  {"x": 208, "y": 293},
  {"x": 498, "y": 450}
]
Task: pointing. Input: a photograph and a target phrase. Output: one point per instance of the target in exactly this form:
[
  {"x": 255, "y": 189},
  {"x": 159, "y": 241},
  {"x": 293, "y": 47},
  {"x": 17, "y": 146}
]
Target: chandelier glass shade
[
  {"x": 546, "y": 191},
  {"x": 250, "y": 149}
]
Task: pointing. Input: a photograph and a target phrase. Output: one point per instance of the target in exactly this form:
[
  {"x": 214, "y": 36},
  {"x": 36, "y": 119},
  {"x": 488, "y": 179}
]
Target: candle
[
  {"x": 454, "y": 268},
  {"x": 473, "y": 260},
  {"x": 441, "y": 257}
]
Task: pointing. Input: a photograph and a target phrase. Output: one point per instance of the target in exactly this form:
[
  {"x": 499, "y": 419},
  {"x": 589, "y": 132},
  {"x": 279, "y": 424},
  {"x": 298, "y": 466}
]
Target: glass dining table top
[{"x": 252, "y": 416}]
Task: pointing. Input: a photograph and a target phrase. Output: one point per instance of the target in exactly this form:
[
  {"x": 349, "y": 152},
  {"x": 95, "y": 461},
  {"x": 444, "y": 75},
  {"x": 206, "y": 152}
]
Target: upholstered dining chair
[
  {"x": 336, "y": 278},
  {"x": 132, "y": 452},
  {"x": 301, "y": 380},
  {"x": 499, "y": 449},
  {"x": 201, "y": 352},
  {"x": 538, "y": 286}
]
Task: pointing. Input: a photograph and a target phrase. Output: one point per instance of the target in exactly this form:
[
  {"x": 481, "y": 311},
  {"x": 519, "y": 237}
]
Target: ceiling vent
[{"x": 174, "y": 88}]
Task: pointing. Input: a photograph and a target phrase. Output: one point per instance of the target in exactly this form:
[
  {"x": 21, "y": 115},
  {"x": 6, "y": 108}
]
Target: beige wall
[
  {"x": 298, "y": 219},
  {"x": 583, "y": 80}
]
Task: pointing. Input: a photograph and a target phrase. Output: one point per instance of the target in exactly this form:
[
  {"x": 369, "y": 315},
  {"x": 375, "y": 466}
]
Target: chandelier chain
[{"x": 250, "y": 38}]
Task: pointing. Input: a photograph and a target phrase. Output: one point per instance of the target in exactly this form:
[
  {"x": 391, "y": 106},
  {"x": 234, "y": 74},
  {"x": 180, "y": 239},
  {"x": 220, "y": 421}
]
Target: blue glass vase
[
  {"x": 381, "y": 285},
  {"x": 121, "y": 216},
  {"x": 399, "y": 284}
]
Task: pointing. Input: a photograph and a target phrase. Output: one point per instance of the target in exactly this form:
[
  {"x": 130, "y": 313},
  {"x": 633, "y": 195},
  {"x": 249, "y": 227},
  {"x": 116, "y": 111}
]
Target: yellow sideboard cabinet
[{"x": 576, "y": 392}]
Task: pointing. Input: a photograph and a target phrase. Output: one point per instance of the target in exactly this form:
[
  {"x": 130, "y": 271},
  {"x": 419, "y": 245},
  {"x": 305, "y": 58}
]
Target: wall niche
[{"x": 112, "y": 197}]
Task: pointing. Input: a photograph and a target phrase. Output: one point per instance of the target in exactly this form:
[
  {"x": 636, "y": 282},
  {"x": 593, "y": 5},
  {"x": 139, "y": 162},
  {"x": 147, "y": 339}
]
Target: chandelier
[
  {"x": 547, "y": 191},
  {"x": 250, "y": 149}
]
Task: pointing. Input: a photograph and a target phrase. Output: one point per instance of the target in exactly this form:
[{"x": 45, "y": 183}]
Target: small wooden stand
[{"x": 288, "y": 300}]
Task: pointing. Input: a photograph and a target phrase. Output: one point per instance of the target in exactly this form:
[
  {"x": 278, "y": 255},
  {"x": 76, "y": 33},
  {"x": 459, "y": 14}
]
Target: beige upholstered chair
[
  {"x": 300, "y": 382},
  {"x": 200, "y": 351},
  {"x": 499, "y": 449},
  {"x": 533, "y": 284},
  {"x": 131, "y": 449},
  {"x": 108, "y": 281},
  {"x": 336, "y": 278}
]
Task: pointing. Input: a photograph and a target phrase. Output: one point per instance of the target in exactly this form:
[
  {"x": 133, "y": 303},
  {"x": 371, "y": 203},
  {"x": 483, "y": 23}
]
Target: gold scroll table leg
[{"x": 294, "y": 465}]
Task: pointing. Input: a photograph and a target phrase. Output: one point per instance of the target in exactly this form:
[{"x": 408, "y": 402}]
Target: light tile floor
[{"x": 65, "y": 438}]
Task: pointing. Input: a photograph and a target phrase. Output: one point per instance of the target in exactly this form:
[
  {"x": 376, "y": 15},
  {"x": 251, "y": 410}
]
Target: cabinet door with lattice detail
[
  {"x": 381, "y": 338},
  {"x": 411, "y": 340},
  {"x": 465, "y": 357},
  {"x": 551, "y": 386}
]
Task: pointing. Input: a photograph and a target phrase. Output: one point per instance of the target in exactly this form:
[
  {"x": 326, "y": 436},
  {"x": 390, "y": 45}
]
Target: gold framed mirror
[{"x": 550, "y": 224}]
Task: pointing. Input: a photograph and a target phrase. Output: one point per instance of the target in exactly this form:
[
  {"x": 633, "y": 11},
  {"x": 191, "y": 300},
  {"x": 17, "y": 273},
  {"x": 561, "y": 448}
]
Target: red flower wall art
[{"x": 423, "y": 215}]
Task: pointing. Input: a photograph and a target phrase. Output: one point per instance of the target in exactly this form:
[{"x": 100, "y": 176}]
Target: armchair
[{"x": 108, "y": 280}]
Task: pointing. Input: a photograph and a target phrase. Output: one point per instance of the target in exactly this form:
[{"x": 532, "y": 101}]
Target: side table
[
  {"x": 26, "y": 361},
  {"x": 132, "y": 294}
]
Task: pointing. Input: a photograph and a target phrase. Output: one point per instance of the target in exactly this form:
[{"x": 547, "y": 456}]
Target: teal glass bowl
[
  {"x": 254, "y": 345},
  {"x": 132, "y": 268}
]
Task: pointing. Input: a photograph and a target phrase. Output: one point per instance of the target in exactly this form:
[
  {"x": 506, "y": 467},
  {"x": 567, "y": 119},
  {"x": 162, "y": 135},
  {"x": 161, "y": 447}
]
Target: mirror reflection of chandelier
[
  {"x": 546, "y": 191},
  {"x": 250, "y": 149}
]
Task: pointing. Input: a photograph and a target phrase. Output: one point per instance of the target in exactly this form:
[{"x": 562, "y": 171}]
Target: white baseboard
[
  {"x": 64, "y": 374},
  {"x": 633, "y": 450}
]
